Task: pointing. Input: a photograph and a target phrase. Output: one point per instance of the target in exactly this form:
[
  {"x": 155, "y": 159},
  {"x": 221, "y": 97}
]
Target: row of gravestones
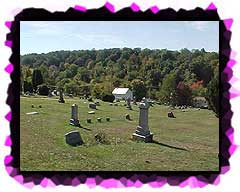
[
  {"x": 93, "y": 105},
  {"x": 142, "y": 132}
]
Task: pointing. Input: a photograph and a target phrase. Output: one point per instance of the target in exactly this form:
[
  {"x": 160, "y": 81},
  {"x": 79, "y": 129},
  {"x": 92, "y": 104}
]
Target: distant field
[{"x": 189, "y": 142}]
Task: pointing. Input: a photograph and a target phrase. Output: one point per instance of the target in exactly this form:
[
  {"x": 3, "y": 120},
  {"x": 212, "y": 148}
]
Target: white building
[{"x": 122, "y": 93}]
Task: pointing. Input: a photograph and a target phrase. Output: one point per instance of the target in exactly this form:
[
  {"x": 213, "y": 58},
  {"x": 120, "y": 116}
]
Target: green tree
[
  {"x": 168, "y": 89},
  {"x": 183, "y": 94},
  {"x": 139, "y": 89},
  {"x": 37, "y": 78},
  {"x": 212, "y": 95},
  {"x": 71, "y": 88}
]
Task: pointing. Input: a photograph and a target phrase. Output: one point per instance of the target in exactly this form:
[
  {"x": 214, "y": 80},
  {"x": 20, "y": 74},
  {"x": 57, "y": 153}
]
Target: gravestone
[
  {"x": 107, "y": 118},
  {"x": 127, "y": 116},
  {"x": 90, "y": 99},
  {"x": 92, "y": 106},
  {"x": 32, "y": 106},
  {"x": 99, "y": 120},
  {"x": 89, "y": 120},
  {"x": 142, "y": 132},
  {"x": 171, "y": 115},
  {"x": 40, "y": 106},
  {"x": 129, "y": 103},
  {"x": 91, "y": 112},
  {"x": 61, "y": 99},
  {"x": 32, "y": 113},
  {"x": 74, "y": 116},
  {"x": 73, "y": 138},
  {"x": 97, "y": 103}
]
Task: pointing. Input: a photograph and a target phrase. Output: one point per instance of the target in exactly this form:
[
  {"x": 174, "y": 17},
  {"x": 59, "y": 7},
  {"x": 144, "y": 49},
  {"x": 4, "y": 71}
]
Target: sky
[{"x": 47, "y": 36}]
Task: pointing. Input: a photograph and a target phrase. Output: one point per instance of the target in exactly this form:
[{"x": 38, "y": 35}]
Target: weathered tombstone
[
  {"x": 92, "y": 106},
  {"x": 99, "y": 120},
  {"x": 143, "y": 133},
  {"x": 74, "y": 116},
  {"x": 91, "y": 112},
  {"x": 32, "y": 106},
  {"x": 73, "y": 138},
  {"x": 61, "y": 99},
  {"x": 89, "y": 120},
  {"x": 115, "y": 104},
  {"x": 90, "y": 99},
  {"x": 129, "y": 103},
  {"x": 127, "y": 116},
  {"x": 40, "y": 106},
  {"x": 71, "y": 95},
  {"x": 110, "y": 104},
  {"x": 97, "y": 103},
  {"x": 32, "y": 113},
  {"x": 171, "y": 115},
  {"x": 107, "y": 118}
]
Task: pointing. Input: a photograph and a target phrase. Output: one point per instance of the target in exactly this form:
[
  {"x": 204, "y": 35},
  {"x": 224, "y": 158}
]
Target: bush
[
  {"x": 108, "y": 98},
  {"x": 212, "y": 95},
  {"x": 100, "y": 138},
  {"x": 28, "y": 86},
  {"x": 43, "y": 90}
]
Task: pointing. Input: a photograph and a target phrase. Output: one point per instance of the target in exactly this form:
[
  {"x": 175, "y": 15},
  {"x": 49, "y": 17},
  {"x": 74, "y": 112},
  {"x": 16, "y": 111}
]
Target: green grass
[{"x": 187, "y": 143}]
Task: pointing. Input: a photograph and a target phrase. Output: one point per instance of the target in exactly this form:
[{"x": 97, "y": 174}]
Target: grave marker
[
  {"x": 73, "y": 138},
  {"x": 74, "y": 116},
  {"x": 142, "y": 132},
  {"x": 92, "y": 106}
]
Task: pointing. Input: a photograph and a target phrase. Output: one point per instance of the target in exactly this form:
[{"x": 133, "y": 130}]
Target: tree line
[{"x": 174, "y": 77}]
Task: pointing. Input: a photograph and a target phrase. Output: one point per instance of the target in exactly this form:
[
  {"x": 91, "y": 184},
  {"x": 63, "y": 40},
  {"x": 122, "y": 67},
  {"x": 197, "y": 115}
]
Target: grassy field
[{"x": 187, "y": 143}]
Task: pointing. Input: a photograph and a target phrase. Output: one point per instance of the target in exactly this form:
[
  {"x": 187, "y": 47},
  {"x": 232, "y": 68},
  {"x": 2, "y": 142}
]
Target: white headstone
[{"x": 143, "y": 133}]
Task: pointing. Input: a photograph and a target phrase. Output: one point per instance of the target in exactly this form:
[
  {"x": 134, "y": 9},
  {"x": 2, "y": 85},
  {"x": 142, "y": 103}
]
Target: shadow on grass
[{"x": 169, "y": 146}]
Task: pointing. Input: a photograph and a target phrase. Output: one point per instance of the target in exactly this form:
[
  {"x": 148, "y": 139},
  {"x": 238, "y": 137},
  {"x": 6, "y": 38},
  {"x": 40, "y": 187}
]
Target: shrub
[
  {"x": 43, "y": 90},
  {"x": 28, "y": 87},
  {"x": 212, "y": 95},
  {"x": 100, "y": 138},
  {"x": 108, "y": 98}
]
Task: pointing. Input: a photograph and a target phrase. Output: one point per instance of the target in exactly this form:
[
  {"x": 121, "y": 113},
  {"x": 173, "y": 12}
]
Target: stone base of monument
[
  {"x": 142, "y": 135},
  {"x": 75, "y": 122},
  {"x": 145, "y": 138}
]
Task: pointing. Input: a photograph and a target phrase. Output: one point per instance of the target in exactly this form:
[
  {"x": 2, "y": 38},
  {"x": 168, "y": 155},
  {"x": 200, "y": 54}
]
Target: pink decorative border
[{"x": 159, "y": 181}]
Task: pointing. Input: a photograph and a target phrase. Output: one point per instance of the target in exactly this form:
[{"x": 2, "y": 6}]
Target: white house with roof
[{"x": 122, "y": 93}]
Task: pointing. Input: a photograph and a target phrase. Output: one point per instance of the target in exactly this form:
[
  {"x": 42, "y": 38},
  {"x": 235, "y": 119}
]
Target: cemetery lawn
[{"x": 189, "y": 142}]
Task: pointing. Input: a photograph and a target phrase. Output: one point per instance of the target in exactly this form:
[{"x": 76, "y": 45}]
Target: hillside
[{"x": 156, "y": 73}]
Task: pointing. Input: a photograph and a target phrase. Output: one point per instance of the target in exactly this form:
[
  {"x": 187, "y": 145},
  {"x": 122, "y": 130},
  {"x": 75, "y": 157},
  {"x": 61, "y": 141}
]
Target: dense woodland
[{"x": 175, "y": 77}]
